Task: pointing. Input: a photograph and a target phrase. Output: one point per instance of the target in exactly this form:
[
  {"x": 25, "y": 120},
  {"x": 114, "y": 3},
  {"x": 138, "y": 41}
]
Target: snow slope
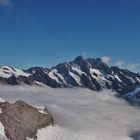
[
  {"x": 81, "y": 114},
  {"x": 7, "y": 71},
  {"x": 2, "y": 134}
]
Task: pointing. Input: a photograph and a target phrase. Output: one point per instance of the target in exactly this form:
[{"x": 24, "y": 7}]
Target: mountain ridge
[{"x": 92, "y": 73}]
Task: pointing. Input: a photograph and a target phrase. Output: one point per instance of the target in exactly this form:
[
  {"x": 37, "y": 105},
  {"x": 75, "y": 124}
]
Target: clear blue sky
[{"x": 45, "y": 32}]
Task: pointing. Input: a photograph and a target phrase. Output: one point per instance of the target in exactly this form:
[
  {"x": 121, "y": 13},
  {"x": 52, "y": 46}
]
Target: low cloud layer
[{"x": 82, "y": 114}]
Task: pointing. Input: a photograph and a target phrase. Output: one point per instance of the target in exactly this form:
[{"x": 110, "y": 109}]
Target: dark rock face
[
  {"x": 42, "y": 76},
  {"x": 87, "y": 82},
  {"x": 90, "y": 73},
  {"x": 20, "y": 80},
  {"x": 135, "y": 135},
  {"x": 65, "y": 69},
  {"x": 12, "y": 80},
  {"x": 3, "y": 80},
  {"x": 32, "y": 70},
  {"x": 25, "y": 80},
  {"x": 21, "y": 120},
  {"x": 83, "y": 64}
]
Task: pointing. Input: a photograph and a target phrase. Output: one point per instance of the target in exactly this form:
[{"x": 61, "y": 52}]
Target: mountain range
[{"x": 92, "y": 73}]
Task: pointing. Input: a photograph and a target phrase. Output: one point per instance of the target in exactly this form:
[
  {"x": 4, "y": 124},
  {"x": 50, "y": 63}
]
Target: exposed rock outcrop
[{"x": 21, "y": 120}]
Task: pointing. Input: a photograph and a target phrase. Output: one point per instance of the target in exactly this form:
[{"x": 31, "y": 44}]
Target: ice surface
[
  {"x": 117, "y": 77},
  {"x": 52, "y": 75},
  {"x": 77, "y": 78},
  {"x": 2, "y": 133},
  {"x": 78, "y": 70}
]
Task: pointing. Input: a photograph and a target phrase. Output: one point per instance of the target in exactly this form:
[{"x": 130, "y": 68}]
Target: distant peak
[
  {"x": 79, "y": 58},
  {"x": 6, "y": 67}
]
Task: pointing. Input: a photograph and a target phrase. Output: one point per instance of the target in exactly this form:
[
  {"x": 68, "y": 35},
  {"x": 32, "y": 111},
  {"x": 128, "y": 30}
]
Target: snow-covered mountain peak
[
  {"x": 92, "y": 73},
  {"x": 79, "y": 58}
]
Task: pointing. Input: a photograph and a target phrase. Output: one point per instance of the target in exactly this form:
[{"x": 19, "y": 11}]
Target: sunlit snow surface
[
  {"x": 81, "y": 114},
  {"x": 2, "y": 133},
  {"x": 7, "y": 71}
]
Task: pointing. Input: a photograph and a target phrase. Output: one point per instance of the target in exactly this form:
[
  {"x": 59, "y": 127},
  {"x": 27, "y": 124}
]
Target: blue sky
[{"x": 46, "y": 32}]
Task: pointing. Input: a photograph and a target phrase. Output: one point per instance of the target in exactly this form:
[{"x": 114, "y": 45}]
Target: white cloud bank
[
  {"x": 129, "y": 66},
  {"x": 106, "y": 59},
  {"x": 81, "y": 114},
  {"x": 121, "y": 64}
]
